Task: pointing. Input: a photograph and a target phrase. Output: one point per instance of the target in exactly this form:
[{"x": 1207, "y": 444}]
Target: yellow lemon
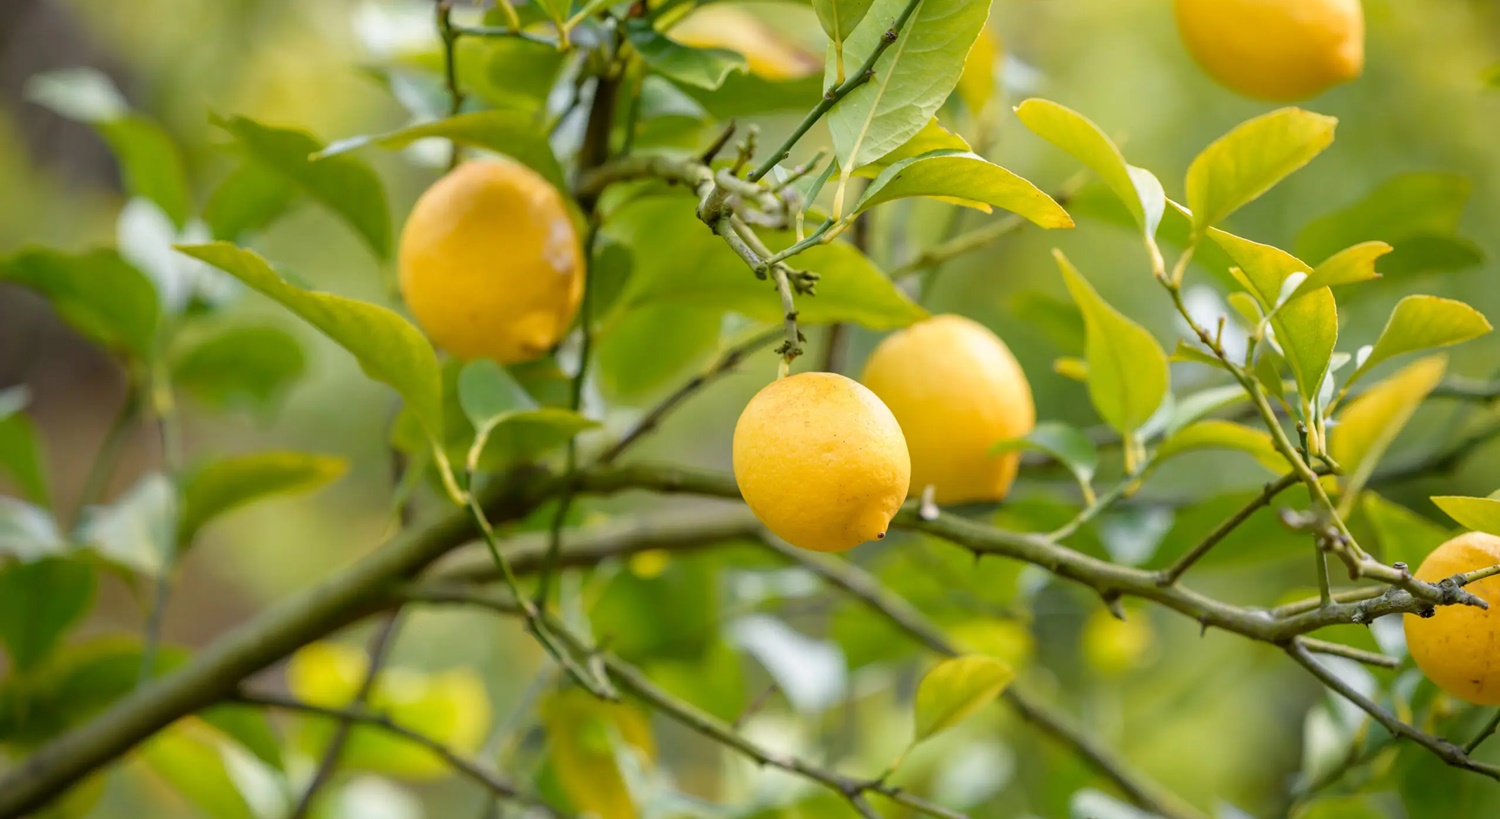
[
  {"x": 821, "y": 462},
  {"x": 1458, "y": 646},
  {"x": 490, "y": 263},
  {"x": 767, "y": 54},
  {"x": 1275, "y": 49},
  {"x": 956, "y": 390}
]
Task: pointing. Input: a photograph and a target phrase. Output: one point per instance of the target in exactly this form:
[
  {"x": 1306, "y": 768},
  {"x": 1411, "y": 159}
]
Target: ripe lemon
[
  {"x": 1457, "y": 647},
  {"x": 767, "y": 54},
  {"x": 1275, "y": 49},
  {"x": 956, "y": 390},
  {"x": 490, "y": 263},
  {"x": 821, "y": 462}
]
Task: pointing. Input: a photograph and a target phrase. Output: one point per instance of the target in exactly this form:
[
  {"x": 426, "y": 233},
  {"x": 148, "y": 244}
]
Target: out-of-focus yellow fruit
[
  {"x": 1275, "y": 49},
  {"x": 584, "y": 735},
  {"x": 767, "y": 54},
  {"x": 956, "y": 390},
  {"x": 1457, "y": 646},
  {"x": 1112, "y": 646},
  {"x": 490, "y": 262},
  {"x": 821, "y": 462}
]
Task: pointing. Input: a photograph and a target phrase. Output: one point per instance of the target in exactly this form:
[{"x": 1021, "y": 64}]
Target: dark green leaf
[
  {"x": 226, "y": 484},
  {"x": 251, "y": 366},
  {"x": 698, "y": 67},
  {"x": 96, "y": 292},
  {"x": 39, "y": 603},
  {"x": 248, "y": 726}
]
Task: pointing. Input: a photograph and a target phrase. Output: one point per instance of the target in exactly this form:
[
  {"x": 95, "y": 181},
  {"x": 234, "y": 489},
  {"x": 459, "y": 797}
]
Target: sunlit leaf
[
  {"x": 1190, "y": 353},
  {"x": 1307, "y": 328},
  {"x": 98, "y": 293},
  {"x": 1424, "y": 323},
  {"x": 39, "y": 602},
  {"x": 1348, "y": 266},
  {"x": 976, "y": 85},
  {"x": 956, "y": 688},
  {"x": 1369, "y": 424},
  {"x": 1261, "y": 268},
  {"x": 1479, "y": 514},
  {"x": 1075, "y": 134},
  {"x": 932, "y": 137},
  {"x": 1246, "y": 162},
  {"x": 1216, "y": 433},
  {"x": 226, "y": 484},
  {"x": 516, "y": 134},
  {"x": 1128, "y": 375},
  {"x": 967, "y": 177}
]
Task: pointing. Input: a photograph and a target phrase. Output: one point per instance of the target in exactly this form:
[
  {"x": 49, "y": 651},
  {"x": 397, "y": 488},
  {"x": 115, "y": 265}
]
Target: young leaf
[
  {"x": 1368, "y": 424},
  {"x": 1079, "y": 137},
  {"x": 388, "y": 347},
  {"x": 39, "y": 603},
  {"x": 139, "y": 529},
  {"x": 932, "y": 137},
  {"x": 515, "y": 134},
  {"x": 969, "y": 178},
  {"x": 1424, "y": 323},
  {"x": 954, "y": 689},
  {"x": 1200, "y": 405},
  {"x": 1216, "y": 433},
  {"x": 703, "y": 68},
  {"x": 250, "y": 198},
  {"x": 229, "y": 483},
  {"x": 344, "y": 184},
  {"x": 1307, "y": 328},
  {"x": 1479, "y": 514},
  {"x": 20, "y": 446},
  {"x": 583, "y": 736},
  {"x": 1246, "y": 162},
  {"x": 1189, "y": 353},
  {"x": 251, "y": 365},
  {"x": 1262, "y": 269},
  {"x": 1128, "y": 375},
  {"x": 1348, "y": 266},
  {"x": 911, "y": 79},
  {"x": 98, "y": 293}
]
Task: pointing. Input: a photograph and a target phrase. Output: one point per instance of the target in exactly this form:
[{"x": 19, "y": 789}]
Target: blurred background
[{"x": 1228, "y": 724}]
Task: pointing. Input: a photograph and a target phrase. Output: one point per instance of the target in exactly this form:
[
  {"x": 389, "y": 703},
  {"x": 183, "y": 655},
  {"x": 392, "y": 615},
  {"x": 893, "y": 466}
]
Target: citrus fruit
[
  {"x": 490, "y": 263},
  {"x": 1275, "y": 49},
  {"x": 1458, "y": 647},
  {"x": 767, "y": 54},
  {"x": 820, "y": 461},
  {"x": 956, "y": 390}
]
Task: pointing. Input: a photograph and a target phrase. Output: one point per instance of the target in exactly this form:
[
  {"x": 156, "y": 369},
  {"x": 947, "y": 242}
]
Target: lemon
[
  {"x": 821, "y": 462},
  {"x": 956, "y": 390},
  {"x": 490, "y": 263},
  {"x": 1457, "y": 646},
  {"x": 1275, "y": 49},
  {"x": 767, "y": 54}
]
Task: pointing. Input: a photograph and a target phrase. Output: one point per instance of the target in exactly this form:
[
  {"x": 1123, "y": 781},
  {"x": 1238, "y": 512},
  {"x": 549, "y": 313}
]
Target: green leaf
[
  {"x": 839, "y": 17},
  {"x": 1423, "y": 323},
  {"x": 344, "y": 184},
  {"x": 1246, "y": 162},
  {"x": 39, "y": 603},
  {"x": 252, "y": 366},
  {"x": 21, "y": 447},
  {"x": 388, "y": 347},
  {"x": 516, "y": 134},
  {"x": 1479, "y": 514},
  {"x": 932, "y": 137},
  {"x": 486, "y": 391},
  {"x": 249, "y": 199},
  {"x": 1369, "y": 424},
  {"x": 248, "y": 726},
  {"x": 583, "y": 737},
  {"x": 150, "y": 162},
  {"x": 1307, "y": 328},
  {"x": 1086, "y": 142},
  {"x": 139, "y": 529},
  {"x": 749, "y": 95},
  {"x": 188, "y": 756},
  {"x": 1216, "y": 433},
  {"x": 27, "y": 532},
  {"x": 1128, "y": 375},
  {"x": 98, "y": 293},
  {"x": 679, "y": 261},
  {"x": 1403, "y": 535},
  {"x": 975, "y": 181},
  {"x": 912, "y": 77},
  {"x": 1418, "y": 214},
  {"x": 1068, "y": 445},
  {"x": 1261, "y": 268},
  {"x": 226, "y": 484},
  {"x": 1057, "y": 318},
  {"x": 651, "y": 348},
  {"x": 703, "y": 68},
  {"x": 1349, "y": 266},
  {"x": 954, "y": 689},
  {"x": 1354, "y": 806},
  {"x": 1189, "y": 353},
  {"x": 508, "y": 424}
]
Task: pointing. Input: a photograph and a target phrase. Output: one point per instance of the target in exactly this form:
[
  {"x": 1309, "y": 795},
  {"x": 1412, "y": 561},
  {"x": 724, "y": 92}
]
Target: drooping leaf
[
  {"x": 39, "y": 602},
  {"x": 1216, "y": 433},
  {"x": 388, "y": 347},
  {"x": 1080, "y": 138},
  {"x": 1424, "y": 323},
  {"x": 911, "y": 79},
  {"x": 226, "y": 484},
  {"x": 1418, "y": 214},
  {"x": 250, "y": 365},
  {"x": 344, "y": 184},
  {"x": 249, "y": 199},
  {"x": 1479, "y": 514},
  {"x": 1127, "y": 369},
  {"x": 516, "y": 134},
  {"x": 1369, "y": 424},
  {"x": 956, "y": 688},
  {"x": 98, "y": 293},
  {"x": 138, "y": 530},
  {"x": 1070, "y": 446},
  {"x": 967, "y": 177},
  {"x": 1246, "y": 162},
  {"x": 698, "y": 67},
  {"x": 21, "y": 447}
]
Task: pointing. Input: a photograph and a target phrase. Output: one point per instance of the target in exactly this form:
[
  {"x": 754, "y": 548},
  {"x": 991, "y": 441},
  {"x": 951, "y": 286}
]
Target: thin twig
[
  {"x": 1174, "y": 572},
  {"x": 1349, "y": 653},
  {"x": 1484, "y": 733}
]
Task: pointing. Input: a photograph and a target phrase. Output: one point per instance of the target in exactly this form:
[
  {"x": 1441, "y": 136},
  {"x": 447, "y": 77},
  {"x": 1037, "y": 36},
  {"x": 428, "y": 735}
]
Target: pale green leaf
[
  {"x": 188, "y": 755},
  {"x": 226, "y": 484},
  {"x": 516, "y": 134},
  {"x": 932, "y": 137},
  {"x": 839, "y": 17},
  {"x": 1192, "y": 354},
  {"x": 1079, "y": 137},
  {"x": 956, "y": 688},
  {"x": 388, "y": 347},
  {"x": 704, "y": 68},
  {"x": 1261, "y": 268},
  {"x": 964, "y": 176},
  {"x": 1479, "y": 514},
  {"x": 1348, "y": 266},
  {"x": 1128, "y": 375},
  {"x": 139, "y": 529},
  {"x": 1424, "y": 323},
  {"x": 1216, "y": 433},
  {"x": 1307, "y": 328},
  {"x": 27, "y": 532},
  {"x": 486, "y": 390},
  {"x": 1246, "y": 162},
  {"x": 1369, "y": 424},
  {"x": 911, "y": 79}
]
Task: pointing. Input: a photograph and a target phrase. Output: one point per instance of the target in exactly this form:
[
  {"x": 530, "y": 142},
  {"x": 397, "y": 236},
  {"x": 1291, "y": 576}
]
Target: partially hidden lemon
[
  {"x": 821, "y": 462},
  {"x": 490, "y": 262},
  {"x": 956, "y": 390},
  {"x": 1277, "y": 50},
  {"x": 767, "y": 53},
  {"x": 1458, "y": 647}
]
